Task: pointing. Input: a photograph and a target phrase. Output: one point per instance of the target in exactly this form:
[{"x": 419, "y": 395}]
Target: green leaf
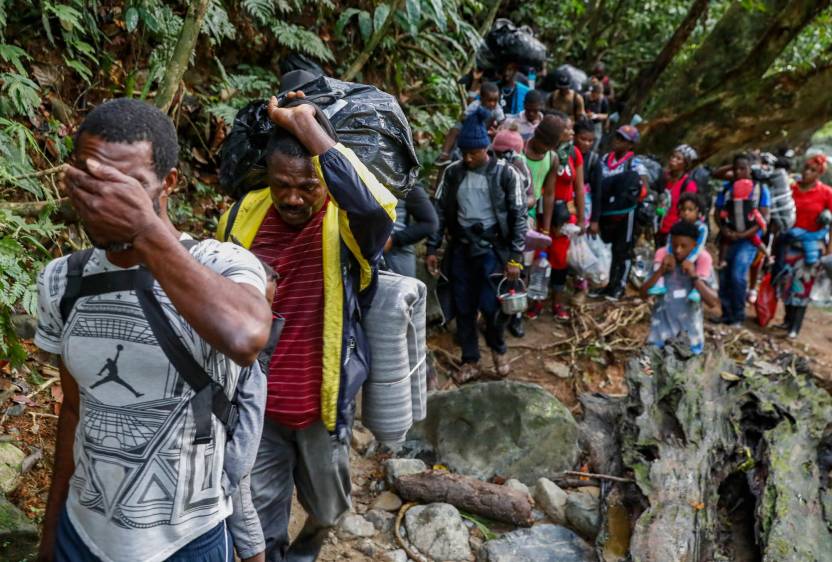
[
  {"x": 149, "y": 20},
  {"x": 301, "y": 39},
  {"x": 21, "y": 92},
  {"x": 414, "y": 11},
  {"x": 365, "y": 25},
  {"x": 344, "y": 19},
  {"x": 439, "y": 15},
  {"x": 380, "y": 15},
  {"x": 70, "y": 18},
  {"x": 14, "y": 56},
  {"x": 83, "y": 70},
  {"x": 131, "y": 19}
]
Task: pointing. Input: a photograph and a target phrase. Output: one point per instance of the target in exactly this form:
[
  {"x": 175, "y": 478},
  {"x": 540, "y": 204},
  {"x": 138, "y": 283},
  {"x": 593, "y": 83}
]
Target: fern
[
  {"x": 15, "y": 57},
  {"x": 216, "y": 25},
  {"x": 21, "y": 93},
  {"x": 263, "y": 11},
  {"x": 295, "y": 37}
]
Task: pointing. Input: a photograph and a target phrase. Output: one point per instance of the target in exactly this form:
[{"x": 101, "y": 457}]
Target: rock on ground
[
  {"x": 387, "y": 501},
  {"x": 541, "y": 543},
  {"x": 381, "y": 520},
  {"x": 551, "y": 499},
  {"x": 361, "y": 439},
  {"x": 402, "y": 467},
  {"x": 18, "y": 536},
  {"x": 438, "y": 532},
  {"x": 394, "y": 556},
  {"x": 10, "y": 460},
  {"x": 582, "y": 514},
  {"x": 353, "y": 525},
  {"x": 504, "y": 428},
  {"x": 515, "y": 484}
]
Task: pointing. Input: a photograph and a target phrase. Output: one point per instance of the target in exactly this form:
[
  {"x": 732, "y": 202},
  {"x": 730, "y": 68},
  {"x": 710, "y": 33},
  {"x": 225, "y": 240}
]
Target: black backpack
[
  {"x": 209, "y": 395},
  {"x": 622, "y": 191}
]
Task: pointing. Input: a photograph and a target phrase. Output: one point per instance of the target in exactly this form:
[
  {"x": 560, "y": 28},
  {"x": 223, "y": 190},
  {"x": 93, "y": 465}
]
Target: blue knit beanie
[{"x": 474, "y": 134}]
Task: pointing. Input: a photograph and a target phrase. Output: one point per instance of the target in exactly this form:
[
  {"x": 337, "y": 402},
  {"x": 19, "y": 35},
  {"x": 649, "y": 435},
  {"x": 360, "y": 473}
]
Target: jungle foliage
[{"x": 59, "y": 58}]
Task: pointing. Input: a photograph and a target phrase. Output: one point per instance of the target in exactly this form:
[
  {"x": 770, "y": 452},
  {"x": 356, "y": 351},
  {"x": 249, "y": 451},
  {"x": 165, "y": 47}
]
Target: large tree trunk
[
  {"x": 721, "y": 100},
  {"x": 639, "y": 89},
  {"x": 181, "y": 53},
  {"x": 730, "y": 470}
]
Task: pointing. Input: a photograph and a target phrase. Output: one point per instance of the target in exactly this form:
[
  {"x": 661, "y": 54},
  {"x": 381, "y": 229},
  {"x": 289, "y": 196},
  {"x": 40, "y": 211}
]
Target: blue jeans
[
  {"x": 733, "y": 280},
  {"x": 474, "y": 289},
  {"x": 214, "y": 546}
]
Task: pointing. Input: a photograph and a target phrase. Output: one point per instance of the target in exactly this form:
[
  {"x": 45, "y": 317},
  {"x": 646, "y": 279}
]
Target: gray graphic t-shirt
[{"x": 141, "y": 489}]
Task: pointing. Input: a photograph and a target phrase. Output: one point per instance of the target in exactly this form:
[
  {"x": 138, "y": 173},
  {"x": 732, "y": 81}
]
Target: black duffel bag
[
  {"x": 366, "y": 119},
  {"x": 510, "y": 43}
]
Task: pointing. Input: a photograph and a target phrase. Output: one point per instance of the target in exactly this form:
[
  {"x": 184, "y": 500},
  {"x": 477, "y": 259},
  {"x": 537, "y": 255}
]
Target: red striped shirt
[{"x": 295, "y": 372}]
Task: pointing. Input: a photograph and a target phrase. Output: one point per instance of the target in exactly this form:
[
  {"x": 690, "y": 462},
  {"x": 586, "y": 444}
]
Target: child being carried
[{"x": 698, "y": 262}]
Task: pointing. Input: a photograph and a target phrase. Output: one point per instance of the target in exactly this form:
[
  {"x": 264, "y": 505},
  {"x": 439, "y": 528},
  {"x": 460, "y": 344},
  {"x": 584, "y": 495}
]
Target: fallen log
[{"x": 499, "y": 503}]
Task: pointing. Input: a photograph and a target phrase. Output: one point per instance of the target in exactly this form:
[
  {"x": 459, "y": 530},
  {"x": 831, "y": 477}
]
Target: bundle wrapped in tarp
[
  {"x": 509, "y": 43},
  {"x": 395, "y": 394},
  {"x": 366, "y": 119}
]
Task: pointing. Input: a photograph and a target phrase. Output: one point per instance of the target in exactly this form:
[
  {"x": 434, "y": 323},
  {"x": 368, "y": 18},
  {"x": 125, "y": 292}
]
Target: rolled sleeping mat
[
  {"x": 417, "y": 352},
  {"x": 387, "y": 410}
]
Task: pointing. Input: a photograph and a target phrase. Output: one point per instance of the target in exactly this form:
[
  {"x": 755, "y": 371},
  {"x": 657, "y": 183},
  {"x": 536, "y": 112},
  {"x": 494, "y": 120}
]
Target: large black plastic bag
[
  {"x": 515, "y": 44},
  {"x": 367, "y": 120}
]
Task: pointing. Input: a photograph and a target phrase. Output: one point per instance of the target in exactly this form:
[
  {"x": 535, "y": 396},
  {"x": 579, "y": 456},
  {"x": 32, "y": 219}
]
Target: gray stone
[
  {"x": 11, "y": 459},
  {"x": 551, "y": 499},
  {"x": 515, "y": 484},
  {"x": 387, "y": 501},
  {"x": 541, "y": 543},
  {"x": 504, "y": 428},
  {"x": 382, "y": 520},
  {"x": 582, "y": 514},
  {"x": 437, "y": 531},
  {"x": 18, "y": 536},
  {"x": 367, "y": 548},
  {"x": 402, "y": 467},
  {"x": 353, "y": 526},
  {"x": 24, "y": 326},
  {"x": 557, "y": 368},
  {"x": 394, "y": 556}
]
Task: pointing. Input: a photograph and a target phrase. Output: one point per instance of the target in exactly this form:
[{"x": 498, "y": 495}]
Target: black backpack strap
[
  {"x": 74, "y": 273},
  {"x": 209, "y": 396},
  {"x": 232, "y": 218}
]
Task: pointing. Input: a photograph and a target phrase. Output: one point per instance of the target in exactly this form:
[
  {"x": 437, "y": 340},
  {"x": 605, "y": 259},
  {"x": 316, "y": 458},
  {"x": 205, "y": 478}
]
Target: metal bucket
[{"x": 512, "y": 302}]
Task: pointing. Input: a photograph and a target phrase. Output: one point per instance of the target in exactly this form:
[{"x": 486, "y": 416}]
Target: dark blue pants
[
  {"x": 733, "y": 280},
  {"x": 214, "y": 546},
  {"x": 474, "y": 289}
]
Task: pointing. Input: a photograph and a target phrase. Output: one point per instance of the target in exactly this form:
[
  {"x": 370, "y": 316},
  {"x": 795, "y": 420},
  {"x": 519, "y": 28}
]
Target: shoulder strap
[
  {"x": 209, "y": 395},
  {"x": 232, "y": 217},
  {"x": 74, "y": 274}
]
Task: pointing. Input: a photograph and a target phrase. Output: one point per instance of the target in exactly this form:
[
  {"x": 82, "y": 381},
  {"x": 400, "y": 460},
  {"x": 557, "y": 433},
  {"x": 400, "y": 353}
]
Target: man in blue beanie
[{"x": 482, "y": 208}]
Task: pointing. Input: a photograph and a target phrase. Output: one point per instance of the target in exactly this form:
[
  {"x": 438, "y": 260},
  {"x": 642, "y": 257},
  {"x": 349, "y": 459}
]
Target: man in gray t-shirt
[{"x": 130, "y": 480}]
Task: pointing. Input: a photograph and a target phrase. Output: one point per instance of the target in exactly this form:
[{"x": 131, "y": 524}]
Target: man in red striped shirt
[{"x": 321, "y": 224}]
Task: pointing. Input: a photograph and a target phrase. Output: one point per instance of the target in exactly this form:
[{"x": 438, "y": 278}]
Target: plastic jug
[{"x": 539, "y": 278}]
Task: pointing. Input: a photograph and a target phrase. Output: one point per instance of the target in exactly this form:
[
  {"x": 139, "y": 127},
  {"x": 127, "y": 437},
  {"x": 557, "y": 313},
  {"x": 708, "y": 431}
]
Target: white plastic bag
[
  {"x": 580, "y": 256},
  {"x": 600, "y": 271}
]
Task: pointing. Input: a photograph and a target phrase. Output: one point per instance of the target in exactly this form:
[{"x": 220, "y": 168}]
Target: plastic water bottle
[
  {"x": 539, "y": 279},
  {"x": 532, "y": 78}
]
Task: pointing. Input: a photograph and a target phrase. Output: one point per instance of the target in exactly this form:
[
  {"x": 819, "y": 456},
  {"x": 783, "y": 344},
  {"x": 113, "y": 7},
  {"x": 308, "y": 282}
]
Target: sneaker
[
  {"x": 615, "y": 294},
  {"x": 792, "y": 335},
  {"x": 752, "y": 296},
  {"x": 657, "y": 291},
  {"x": 694, "y": 296},
  {"x": 535, "y": 307},
  {"x": 467, "y": 372},
  {"x": 501, "y": 365},
  {"x": 561, "y": 313}
]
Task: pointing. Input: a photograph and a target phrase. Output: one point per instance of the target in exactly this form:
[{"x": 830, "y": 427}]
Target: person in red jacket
[{"x": 677, "y": 181}]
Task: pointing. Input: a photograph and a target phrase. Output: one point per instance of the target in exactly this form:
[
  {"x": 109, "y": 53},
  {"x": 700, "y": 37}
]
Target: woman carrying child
[
  {"x": 813, "y": 200},
  {"x": 677, "y": 182}
]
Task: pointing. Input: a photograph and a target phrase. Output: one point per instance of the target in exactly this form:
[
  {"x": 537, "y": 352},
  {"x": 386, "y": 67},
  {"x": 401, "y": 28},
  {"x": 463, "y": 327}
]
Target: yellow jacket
[{"x": 358, "y": 221}]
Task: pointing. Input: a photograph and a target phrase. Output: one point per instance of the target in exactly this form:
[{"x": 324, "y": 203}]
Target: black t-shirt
[{"x": 599, "y": 106}]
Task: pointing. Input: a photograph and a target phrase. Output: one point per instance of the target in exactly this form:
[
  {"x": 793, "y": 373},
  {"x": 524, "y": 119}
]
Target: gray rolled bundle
[{"x": 396, "y": 391}]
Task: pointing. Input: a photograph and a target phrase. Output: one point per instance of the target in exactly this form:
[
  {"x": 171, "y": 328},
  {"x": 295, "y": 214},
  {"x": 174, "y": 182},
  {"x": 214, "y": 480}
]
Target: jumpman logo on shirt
[{"x": 111, "y": 366}]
